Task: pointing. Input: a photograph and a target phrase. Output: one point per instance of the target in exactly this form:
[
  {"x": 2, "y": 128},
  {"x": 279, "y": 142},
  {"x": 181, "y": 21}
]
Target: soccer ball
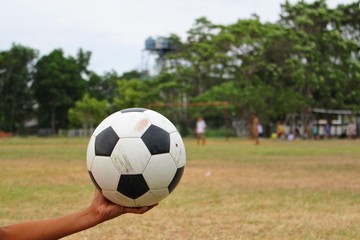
[{"x": 136, "y": 157}]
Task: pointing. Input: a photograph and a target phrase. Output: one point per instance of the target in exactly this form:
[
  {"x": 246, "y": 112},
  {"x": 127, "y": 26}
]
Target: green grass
[{"x": 230, "y": 190}]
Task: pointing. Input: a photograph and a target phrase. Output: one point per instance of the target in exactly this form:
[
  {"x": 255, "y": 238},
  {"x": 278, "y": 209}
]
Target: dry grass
[{"x": 230, "y": 190}]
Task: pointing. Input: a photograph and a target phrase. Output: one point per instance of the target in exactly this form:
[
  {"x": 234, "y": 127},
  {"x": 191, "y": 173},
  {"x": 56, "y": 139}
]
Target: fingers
[{"x": 139, "y": 210}]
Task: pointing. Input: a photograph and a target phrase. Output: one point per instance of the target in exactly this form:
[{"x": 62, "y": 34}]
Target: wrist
[{"x": 93, "y": 215}]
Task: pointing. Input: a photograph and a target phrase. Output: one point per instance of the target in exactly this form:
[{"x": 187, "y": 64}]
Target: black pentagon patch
[
  {"x": 105, "y": 142},
  {"x": 132, "y": 186},
  {"x": 133, "y": 110},
  {"x": 157, "y": 140},
  {"x": 176, "y": 179},
  {"x": 94, "y": 181}
]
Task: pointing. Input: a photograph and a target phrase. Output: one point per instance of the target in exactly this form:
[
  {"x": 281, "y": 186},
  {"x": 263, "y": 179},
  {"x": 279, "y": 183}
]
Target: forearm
[
  {"x": 99, "y": 211},
  {"x": 52, "y": 228}
]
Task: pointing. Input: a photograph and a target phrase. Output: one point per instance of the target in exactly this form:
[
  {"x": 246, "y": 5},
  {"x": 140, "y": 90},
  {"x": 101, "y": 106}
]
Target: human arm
[{"x": 99, "y": 211}]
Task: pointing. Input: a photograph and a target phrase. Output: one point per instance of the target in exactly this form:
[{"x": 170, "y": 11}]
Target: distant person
[
  {"x": 327, "y": 130},
  {"x": 200, "y": 131},
  {"x": 291, "y": 137},
  {"x": 254, "y": 128},
  {"x": 260, "y": 130},
  {"x": 315, "y": 130},
  {"x": 99, "y": 211},
  {"x": 297, "y": 132},
  {"x": 280, "y": 130},
  {"x": 308, "y": 131},
  {"x": 351, "y": 129}
]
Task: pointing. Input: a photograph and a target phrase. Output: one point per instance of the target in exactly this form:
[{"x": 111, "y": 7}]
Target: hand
[
  {"x": 99, "y": 211},
  {"x": 106, "y": 210}
]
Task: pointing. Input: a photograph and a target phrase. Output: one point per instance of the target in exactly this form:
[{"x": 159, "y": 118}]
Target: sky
[{"x": 114, "y": 31}]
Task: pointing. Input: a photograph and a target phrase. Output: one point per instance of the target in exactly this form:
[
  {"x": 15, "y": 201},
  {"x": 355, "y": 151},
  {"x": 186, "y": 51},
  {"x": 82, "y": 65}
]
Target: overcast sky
[{"x": 115, "y": 30}]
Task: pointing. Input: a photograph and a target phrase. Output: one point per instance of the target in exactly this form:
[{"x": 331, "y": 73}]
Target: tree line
[{"x": 308, "y": 58}]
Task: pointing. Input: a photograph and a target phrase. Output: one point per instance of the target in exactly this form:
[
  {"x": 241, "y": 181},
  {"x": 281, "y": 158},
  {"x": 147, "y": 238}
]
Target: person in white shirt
[{"x": 200, "y": 131}]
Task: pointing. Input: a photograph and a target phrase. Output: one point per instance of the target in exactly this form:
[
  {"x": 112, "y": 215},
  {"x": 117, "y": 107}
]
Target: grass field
[{"x": 230, "y": 190}]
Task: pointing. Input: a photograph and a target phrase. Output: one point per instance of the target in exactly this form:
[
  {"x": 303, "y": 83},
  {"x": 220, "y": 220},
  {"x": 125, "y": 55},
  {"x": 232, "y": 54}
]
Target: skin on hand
[
  {"x": 99, "y": 211},
  {"x": 107, "y": 210}
]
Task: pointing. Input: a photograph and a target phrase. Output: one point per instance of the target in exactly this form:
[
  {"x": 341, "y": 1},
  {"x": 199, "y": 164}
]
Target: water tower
[{"x": 154, "y": 52}]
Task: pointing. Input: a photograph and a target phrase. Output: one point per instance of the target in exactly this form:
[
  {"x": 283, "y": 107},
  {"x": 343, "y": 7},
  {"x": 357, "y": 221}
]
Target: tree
[
  {"x": 106, "y": 86},
  {"x": 131, "y": 75},
  {"x": 349, "y": 28},
  {"x": 88, "y": 112},
  {"x": 16, "y": 102},
  {"x": 58, "y": 83},
  {"x": 134, "y": 93},
  {"x": 103, "y": 87},
  {"x": 322, "y": 65},
  {"x": 310, "y": 58}
]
